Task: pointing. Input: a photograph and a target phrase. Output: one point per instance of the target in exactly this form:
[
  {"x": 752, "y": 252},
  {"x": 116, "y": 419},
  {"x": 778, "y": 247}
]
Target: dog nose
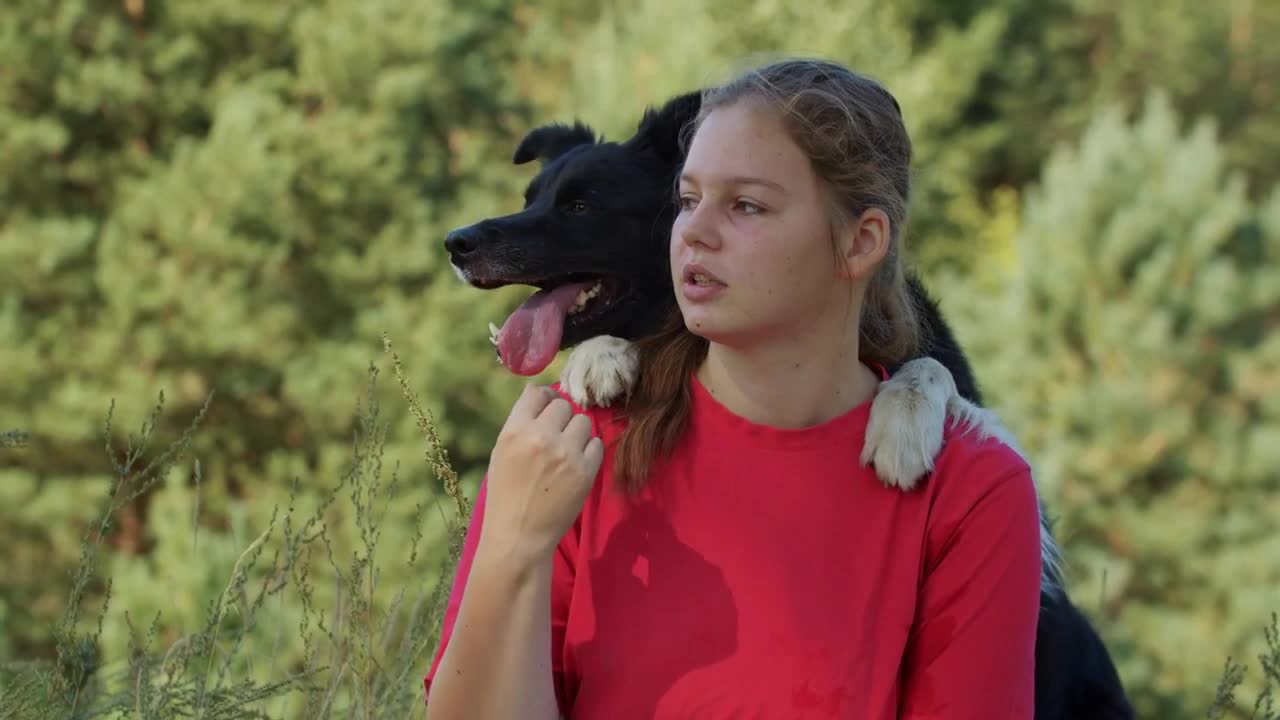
[{"x": 462, "y": 241}]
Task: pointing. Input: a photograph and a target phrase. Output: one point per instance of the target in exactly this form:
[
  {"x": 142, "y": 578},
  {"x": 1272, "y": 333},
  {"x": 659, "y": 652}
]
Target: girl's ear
[{"x": 864, "y": 243}]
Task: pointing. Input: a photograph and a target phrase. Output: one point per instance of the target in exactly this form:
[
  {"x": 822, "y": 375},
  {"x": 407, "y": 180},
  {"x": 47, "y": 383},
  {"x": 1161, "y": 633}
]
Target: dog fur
[{"x": 604, "y": 210}]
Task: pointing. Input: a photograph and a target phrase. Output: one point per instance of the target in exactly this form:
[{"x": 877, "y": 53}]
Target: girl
[{"x": 728, "y": 556}]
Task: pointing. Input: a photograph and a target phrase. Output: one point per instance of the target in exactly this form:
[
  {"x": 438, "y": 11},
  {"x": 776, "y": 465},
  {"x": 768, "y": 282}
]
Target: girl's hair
[{"x": 851, "y": 129}]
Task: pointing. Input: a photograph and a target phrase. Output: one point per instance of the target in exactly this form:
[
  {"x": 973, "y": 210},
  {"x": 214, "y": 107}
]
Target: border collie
[{"x": 592, "y": 238}]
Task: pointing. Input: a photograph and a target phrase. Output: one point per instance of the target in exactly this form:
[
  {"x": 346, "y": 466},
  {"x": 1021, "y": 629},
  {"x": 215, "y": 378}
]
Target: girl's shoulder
[{"x": 975, "y": 463}]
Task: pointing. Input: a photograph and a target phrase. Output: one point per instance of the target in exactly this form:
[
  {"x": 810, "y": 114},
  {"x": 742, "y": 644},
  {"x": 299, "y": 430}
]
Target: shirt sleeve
[
  {"x": 561, "y": 590},
  {"x": 972, "y": 650}
]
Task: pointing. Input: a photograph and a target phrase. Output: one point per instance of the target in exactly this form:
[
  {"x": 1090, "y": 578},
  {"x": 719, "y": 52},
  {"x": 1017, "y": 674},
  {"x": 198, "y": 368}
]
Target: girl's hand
[{"x": 541, "y": 470}]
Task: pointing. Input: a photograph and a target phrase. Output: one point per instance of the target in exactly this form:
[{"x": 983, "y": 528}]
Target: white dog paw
[
  {"x": 904, "y": 433},
  {"x": 599, "y": 371}
]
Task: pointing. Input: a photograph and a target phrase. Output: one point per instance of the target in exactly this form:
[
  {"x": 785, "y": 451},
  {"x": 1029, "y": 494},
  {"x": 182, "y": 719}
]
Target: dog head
[{"x": 592, "y": 237}]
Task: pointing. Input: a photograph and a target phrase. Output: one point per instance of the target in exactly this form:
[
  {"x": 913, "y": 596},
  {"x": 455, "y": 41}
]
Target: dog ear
[
  {"x": 551, "y": 141},
  {"x": 663, "y": 130}
]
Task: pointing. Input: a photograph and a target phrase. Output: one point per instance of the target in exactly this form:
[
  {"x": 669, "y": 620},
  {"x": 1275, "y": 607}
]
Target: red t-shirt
[{"x": 765, "y": 573}]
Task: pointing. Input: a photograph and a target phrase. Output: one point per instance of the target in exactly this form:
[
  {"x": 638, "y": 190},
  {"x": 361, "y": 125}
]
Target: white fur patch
[
  {"x": 599, "y": 371},
  {"x": 458, "y": 271},
  {"x": 904, "y": 433}
]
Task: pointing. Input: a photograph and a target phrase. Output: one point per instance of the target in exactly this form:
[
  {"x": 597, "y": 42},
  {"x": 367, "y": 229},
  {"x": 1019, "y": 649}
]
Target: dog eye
[{"x": 577, "y": 207}]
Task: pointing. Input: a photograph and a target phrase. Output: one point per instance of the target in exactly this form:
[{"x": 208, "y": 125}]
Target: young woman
[{"x": 728, "y": 556}]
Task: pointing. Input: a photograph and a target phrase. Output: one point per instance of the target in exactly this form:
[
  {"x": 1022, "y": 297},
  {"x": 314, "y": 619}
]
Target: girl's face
[{"x": 753, "y": 256}]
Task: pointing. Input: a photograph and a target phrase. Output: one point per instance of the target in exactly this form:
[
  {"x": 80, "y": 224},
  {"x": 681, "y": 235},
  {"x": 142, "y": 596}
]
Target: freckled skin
[{"x": 771, "y": 246}]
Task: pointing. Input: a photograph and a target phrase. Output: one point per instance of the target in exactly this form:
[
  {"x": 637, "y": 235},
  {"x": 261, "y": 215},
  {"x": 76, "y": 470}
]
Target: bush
[
  {"x": 1133, "y": 350},
  {"x": 365, "y": 645}
]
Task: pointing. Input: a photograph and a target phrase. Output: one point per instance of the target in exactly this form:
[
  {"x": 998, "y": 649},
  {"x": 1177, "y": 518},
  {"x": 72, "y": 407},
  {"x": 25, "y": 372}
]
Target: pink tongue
[{"x": 530, "y": 338}]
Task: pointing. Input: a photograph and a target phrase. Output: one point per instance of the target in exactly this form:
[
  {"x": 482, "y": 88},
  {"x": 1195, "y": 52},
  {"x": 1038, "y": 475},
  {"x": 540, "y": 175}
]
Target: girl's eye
[{"x": 688, "y": 202}]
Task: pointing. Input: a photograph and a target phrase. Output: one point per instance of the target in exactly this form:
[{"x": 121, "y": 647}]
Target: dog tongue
[{"x": 530, "y": 338}]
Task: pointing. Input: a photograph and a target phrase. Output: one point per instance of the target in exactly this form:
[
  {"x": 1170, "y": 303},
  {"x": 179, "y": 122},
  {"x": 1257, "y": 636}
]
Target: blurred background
[{"x": 241, "y": 198}]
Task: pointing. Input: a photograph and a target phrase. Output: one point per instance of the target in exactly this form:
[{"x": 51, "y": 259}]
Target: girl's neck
[{"x": 789, "y": 385}]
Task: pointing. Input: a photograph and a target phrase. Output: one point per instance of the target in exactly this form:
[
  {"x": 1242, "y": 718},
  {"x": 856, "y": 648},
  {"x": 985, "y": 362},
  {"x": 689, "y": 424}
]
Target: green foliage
[
  {"x": 1064, "y": 61},
  {"x": 1264, "y": 706},
  {"x": 14, "y": 438},
  {"x": 362, "y": 643},
  {"x": 242, "y": 199},
  {"x": 1134, "y": 351}
]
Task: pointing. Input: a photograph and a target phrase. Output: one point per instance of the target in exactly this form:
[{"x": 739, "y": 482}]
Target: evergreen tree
[
  {"x": 238, "y": 199},
  {"x": 1064, "y": 61},
  {"x": 1134, "y": 352}
]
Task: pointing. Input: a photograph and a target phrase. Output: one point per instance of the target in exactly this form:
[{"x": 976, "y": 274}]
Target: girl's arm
[
  {"x": 972, "y": 649},
  {"x": 496, "y": 658}
]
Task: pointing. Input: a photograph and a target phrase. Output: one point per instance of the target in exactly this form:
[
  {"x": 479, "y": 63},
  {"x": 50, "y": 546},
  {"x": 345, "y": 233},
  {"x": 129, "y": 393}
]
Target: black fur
[
  {"x": 605, "y": 209},
  {"x": 551, "y": 141}
]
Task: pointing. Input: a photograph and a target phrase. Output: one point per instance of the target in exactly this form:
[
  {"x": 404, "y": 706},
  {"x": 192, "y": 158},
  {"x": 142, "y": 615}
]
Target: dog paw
[
  {"x": 599, "y": 371},
  {"x": 908, "y": 414}
]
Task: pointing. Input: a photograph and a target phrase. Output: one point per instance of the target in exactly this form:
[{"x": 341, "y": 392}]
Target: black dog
[{"x": 593, "y": 237}]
